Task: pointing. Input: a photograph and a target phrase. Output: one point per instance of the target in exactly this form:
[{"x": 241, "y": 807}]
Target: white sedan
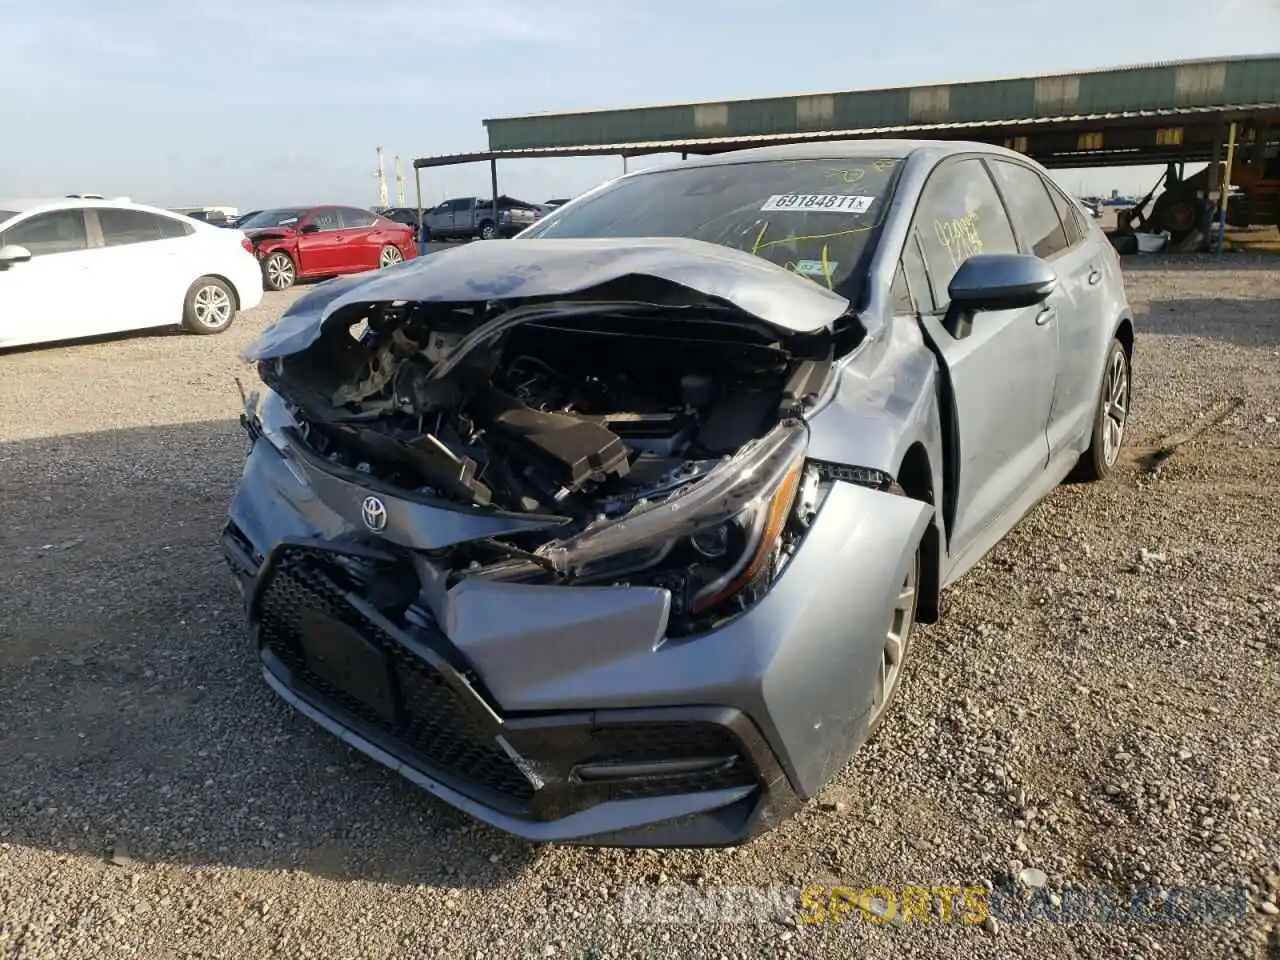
[{"x": 80, "y": 267}]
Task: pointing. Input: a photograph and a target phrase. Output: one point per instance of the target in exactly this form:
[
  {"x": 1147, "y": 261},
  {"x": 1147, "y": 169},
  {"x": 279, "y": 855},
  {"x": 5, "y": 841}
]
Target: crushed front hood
[{"x": 519, "y": 269}]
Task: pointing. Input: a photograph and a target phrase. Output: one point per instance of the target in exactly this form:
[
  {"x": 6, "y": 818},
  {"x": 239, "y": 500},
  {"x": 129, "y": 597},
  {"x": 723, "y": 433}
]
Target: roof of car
[
  {"x": 845, "y": 149},
  {"x": 27, "y": 204}
]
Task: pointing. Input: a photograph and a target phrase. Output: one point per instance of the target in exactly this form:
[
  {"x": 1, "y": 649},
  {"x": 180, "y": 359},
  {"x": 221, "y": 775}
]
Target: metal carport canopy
[
  {"x": 1123, "y": 138},
  {"x": 1145, "y": 121}
]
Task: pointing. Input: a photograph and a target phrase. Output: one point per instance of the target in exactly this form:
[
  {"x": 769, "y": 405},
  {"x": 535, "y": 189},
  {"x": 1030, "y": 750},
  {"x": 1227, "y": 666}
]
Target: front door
[
  {"x": 1001, "y": 374},
  {"x": 52, "y": 295},
  {"x": 440, "y": 220},
  {"x": 321, "y": 250}
]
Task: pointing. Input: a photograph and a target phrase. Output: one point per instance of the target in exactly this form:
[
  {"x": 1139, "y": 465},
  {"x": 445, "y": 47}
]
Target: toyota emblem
[{"x": 374, "y": 513}]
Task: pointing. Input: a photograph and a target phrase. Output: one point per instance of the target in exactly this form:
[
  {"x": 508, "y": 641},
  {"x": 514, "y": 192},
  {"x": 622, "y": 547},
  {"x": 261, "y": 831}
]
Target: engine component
[
  {"x": 697, "y": 390},
  {"x": 737, "y": 419},
  {"x": 570, "y": 451},
  {"x": 414, "y": 390}
]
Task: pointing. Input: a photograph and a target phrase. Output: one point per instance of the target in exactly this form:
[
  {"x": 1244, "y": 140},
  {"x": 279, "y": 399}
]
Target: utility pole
[
  {"x": 380, "y": 173},
  {"x": 399, "y": 182}
]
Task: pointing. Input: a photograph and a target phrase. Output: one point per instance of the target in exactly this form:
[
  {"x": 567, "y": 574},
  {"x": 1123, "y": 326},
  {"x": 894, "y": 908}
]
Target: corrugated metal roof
[
  {"x": 1089, "y": 71},
  {"x": 915, "y": 130}
]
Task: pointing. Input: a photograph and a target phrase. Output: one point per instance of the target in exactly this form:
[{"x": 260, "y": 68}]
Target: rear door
[
  {"x": 51, "y": 296},
  {"x": 360, "y": 243},
  {"x": 146, "y": 261},
  {"x": 1085, "y": 342},
  {"x": 1001, "y": 374}
]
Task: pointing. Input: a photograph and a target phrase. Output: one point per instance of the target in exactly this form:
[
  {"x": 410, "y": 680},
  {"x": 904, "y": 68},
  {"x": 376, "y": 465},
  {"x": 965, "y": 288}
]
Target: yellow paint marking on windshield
[
  {"x": 884, "y": 163},
  {"x": 851, "y": 175},
  {"x": 755, "y": 248},
  {"x": 826, "y": 267},
  {"x": 792, "y": 238}
]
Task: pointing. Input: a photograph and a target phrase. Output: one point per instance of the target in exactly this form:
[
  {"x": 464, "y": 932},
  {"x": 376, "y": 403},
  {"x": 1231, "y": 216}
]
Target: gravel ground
[{"x": 1098, "y": 709}]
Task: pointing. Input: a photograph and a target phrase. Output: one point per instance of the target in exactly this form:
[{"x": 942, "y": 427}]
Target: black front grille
[{"x": 434, "y": 727}]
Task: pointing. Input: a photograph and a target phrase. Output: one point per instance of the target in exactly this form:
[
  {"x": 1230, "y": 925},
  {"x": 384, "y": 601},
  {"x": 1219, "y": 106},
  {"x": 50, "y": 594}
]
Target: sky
[{"x": 250, "y": 103}]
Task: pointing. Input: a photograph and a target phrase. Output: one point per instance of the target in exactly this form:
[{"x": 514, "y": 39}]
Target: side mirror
[
  {"x": 996, "y": 281},
  {"x": 308, "y": 228},
  {"x": 11, "y": 254}
]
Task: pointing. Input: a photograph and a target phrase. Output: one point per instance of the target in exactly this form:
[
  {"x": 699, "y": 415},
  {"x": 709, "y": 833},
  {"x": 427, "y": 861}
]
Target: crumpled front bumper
[{"x": 564, "y": 713}]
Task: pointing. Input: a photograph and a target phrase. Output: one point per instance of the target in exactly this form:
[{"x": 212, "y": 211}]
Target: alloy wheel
[
  {"x": 279, "y": 271},
  {"x": 212, "y": 306},
  {"x": 1115, "y": 406},
  {"x": 389, "y": 256},
  {"x": 893, "y": 653}
]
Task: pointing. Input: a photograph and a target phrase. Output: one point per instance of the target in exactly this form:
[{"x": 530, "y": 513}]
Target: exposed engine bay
[{"x": 665, "y": 442}]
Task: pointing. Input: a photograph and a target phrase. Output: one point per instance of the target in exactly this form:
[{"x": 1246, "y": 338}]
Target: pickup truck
[{"x": 468, "y": 217}]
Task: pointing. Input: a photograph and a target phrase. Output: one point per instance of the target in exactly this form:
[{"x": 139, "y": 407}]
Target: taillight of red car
[{"x": 247, "y": 244}]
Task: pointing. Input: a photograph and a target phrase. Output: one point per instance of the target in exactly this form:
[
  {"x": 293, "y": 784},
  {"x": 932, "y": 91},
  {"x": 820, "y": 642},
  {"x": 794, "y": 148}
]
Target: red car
[{"x": 294, "y": 242}]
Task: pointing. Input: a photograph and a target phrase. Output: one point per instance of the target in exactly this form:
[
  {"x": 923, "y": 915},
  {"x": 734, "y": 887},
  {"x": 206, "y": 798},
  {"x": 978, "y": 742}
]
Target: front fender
[{"x": 883, "y": 406}]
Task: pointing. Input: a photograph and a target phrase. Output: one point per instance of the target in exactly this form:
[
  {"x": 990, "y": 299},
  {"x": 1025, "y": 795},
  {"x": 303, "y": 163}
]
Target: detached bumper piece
[{"x": 339, "y": 635}]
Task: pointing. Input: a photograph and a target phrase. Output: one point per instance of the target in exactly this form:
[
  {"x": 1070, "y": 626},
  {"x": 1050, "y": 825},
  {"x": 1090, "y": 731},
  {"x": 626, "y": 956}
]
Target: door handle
[
  {"x": 1095, "y": 277},
  {"x": 1045, "y": 316}
]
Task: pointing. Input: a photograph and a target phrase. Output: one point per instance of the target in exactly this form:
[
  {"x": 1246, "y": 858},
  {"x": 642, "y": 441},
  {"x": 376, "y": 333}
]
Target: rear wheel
[
  {"x": 279, "y": 271},
  {"x": 389, "y": 256},
  {"x": 210, "y": 306},
  {"x": 487, "y": 230},
  {"x": 1110, "y": 420}
]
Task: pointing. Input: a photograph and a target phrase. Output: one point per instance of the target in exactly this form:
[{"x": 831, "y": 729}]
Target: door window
[
  {"x": 326, "y": 219},
  {"x": 353, "y": 217},
  {"x": 1031, "y": 208},
  {"x": 61, "y": 231},
  {"x": 121, "y": 227},
  {"x": 1072, "y": 219},
  {"x": 960, "y": 215}
]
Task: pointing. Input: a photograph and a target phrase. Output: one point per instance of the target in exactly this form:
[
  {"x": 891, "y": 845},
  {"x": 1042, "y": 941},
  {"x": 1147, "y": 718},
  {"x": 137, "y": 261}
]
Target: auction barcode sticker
[{"x": 829, "y": 202}]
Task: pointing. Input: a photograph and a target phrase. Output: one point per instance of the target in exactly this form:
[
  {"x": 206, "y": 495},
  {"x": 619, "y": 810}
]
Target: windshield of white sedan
[
  {"x": 6, "y": 214},
  {"x": 284, "y": 217},
  {"x": 817, "y": 218}
]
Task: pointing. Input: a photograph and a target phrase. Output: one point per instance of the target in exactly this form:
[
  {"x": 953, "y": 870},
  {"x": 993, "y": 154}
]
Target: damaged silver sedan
[{"x": 616, "y": 533}]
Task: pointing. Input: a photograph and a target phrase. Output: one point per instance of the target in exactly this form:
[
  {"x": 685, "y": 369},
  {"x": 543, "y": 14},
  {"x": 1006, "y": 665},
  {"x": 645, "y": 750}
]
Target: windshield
[
  {"x": 817, "y": 218},
  {"x": 283, "y": 217},
  {"x": 6, "y": 214}
]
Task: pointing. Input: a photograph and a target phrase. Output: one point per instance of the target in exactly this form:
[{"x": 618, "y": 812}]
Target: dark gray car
[{"x": 616, "y": 533}]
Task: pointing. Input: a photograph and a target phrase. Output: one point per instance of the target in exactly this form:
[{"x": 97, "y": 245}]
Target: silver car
[{"x": 617, "y": 533}]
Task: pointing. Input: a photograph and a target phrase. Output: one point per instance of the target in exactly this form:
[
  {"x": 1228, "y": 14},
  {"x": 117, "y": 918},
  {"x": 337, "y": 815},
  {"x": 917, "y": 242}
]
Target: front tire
[
  {"x": 279, "y": 271},
  {"x": 1110, "y": 420},
  {"x": 210, "y": 306},
  {"x": 488, "y": 231},
  {"x": 897, "y": 643}
]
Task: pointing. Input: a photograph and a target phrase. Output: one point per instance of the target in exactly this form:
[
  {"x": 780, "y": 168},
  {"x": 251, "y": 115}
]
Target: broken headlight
[{"x": 710, "y": 540}]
